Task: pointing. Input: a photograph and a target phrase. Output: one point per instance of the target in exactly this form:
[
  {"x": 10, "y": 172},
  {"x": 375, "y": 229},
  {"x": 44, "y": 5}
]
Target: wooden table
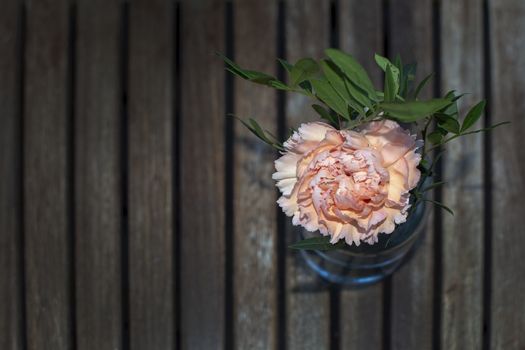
[{"x": 134, "y": 214}]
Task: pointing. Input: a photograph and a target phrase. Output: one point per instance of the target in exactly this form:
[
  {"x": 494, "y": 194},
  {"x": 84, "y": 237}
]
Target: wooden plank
[
  {"x": 10, "y": 158},
  {"x": 255, "y": 234},
  {"x": 49, "y": 325},
  {"x": 98, "y": 176},
  {"x": 361, "y": 35},
  {"x": 150, "y": 201},
  {"x": 308, "y": 314},
  {"x": 508, "y": 183},
  {"x": 412, "y": 286},
  {"x": 461, "y": 294},
  {"x": 202, "y": 175}
]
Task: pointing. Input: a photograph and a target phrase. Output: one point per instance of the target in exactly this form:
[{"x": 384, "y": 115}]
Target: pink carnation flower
[{"x": 348, "y": 184}]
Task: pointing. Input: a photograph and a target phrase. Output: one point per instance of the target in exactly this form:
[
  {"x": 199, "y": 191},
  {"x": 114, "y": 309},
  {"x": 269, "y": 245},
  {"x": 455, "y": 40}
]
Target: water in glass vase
[{"x": 367, "y": 264}]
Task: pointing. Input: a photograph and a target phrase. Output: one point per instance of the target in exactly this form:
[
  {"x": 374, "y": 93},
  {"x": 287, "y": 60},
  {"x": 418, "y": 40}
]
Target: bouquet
[{"x": 362, "y": 168}]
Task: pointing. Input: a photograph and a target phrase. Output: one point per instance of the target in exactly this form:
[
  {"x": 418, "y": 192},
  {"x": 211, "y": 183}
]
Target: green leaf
[
  {"x": 253, "y": 76},
  {"x": 457, "y": 97},
  {"x": 398, "y": 63},
  {"x": 407, "y": 77},
  {"x": 391, "y": 86},
  {"x": 423, "y": 163},
  {"x": 326, "y": 93},
  {"x": 286, "y": 65},
  {"x": 358, "y": 95},
  {"x": 305, "y": 85},
  {"x": 337, "y": 80},
  {"x": 259, "y": 77},
  {"x": 384, "y": 62},
  {"x": 303, "y": 69},
  {"x": 353, "y": 70},
  {"x": 238, "y": 72},
  {"x": 413, "y": 110},
  {"x": 324, "y": 114},
  {"x": 317, "y": 243},
  {"x": 435, "y": 137},
  {"x": 422, "y": 84},
  {"x": 272, "y": 135},
  {"x": 452, "y": 109},
  {"x": 440, "y": 205},
  {"x": 278, "y": 85},
  {"x": 485, "y": 129},
  {"x": 473, "y": 115},
  {"x": 256, "y": 129},
  {"x": 355, "y": 97},
  {"x": 448, "y": 123}
]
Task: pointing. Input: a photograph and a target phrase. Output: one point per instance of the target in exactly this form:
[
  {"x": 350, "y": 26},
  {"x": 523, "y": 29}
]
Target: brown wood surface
[
  {"x": 462, "y": 249},
  {"x": 307, "y": 303},
  {"x": 255, "y": 241},
  {"x": 508, "y": 169},
  {"x": 412, "y": 286},
  {"x": 202, "y": 175},
  {"x": 111, "y": 166},
  {"x": 361, "y": 35},
  {"x": 98, "y": 204},
  {"x": 10, "y": 185},
  {"x": 150, "y": 191},
  {"x": 46, "y": 184}
]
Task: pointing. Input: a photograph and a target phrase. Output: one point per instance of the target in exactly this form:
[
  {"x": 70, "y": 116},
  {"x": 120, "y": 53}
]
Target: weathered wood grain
[
  {"x": 412, "y": 286},
  {"x": 462, "y": 249},
  {"x": 98, "y": 176},
  {"x": 308, "y": 315},
  {"x": 46, "y": 184},
  {"x": 255, "y": 232},
  {"x": 202, "y": 175},
  {"x": 150, "y": 192},
  {"x": 361, "y": 35},
  {"x": 10, "y": 171},
  {"x": 47, "y": 207},
  {"x": 508, "y": 169}
]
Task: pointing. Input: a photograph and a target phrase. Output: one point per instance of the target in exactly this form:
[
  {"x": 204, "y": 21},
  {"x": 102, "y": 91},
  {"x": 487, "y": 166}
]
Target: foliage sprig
[{"x": 346, "y": 98}]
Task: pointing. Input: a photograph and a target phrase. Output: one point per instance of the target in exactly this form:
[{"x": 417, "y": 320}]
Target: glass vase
[{"x": 366, "y": 264}]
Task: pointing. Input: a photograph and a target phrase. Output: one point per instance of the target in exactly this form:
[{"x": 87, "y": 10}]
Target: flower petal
[{"x": 307, "y": 137}]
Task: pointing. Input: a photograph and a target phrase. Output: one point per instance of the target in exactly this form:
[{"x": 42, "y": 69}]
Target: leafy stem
[
  {"x": 346, "y": 98},
  {"x": 462, "y": 134}
]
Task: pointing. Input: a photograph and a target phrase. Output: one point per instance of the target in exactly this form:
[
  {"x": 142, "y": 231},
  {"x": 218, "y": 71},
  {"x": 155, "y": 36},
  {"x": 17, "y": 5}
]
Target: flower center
[{"x": 350, "y": 181}]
